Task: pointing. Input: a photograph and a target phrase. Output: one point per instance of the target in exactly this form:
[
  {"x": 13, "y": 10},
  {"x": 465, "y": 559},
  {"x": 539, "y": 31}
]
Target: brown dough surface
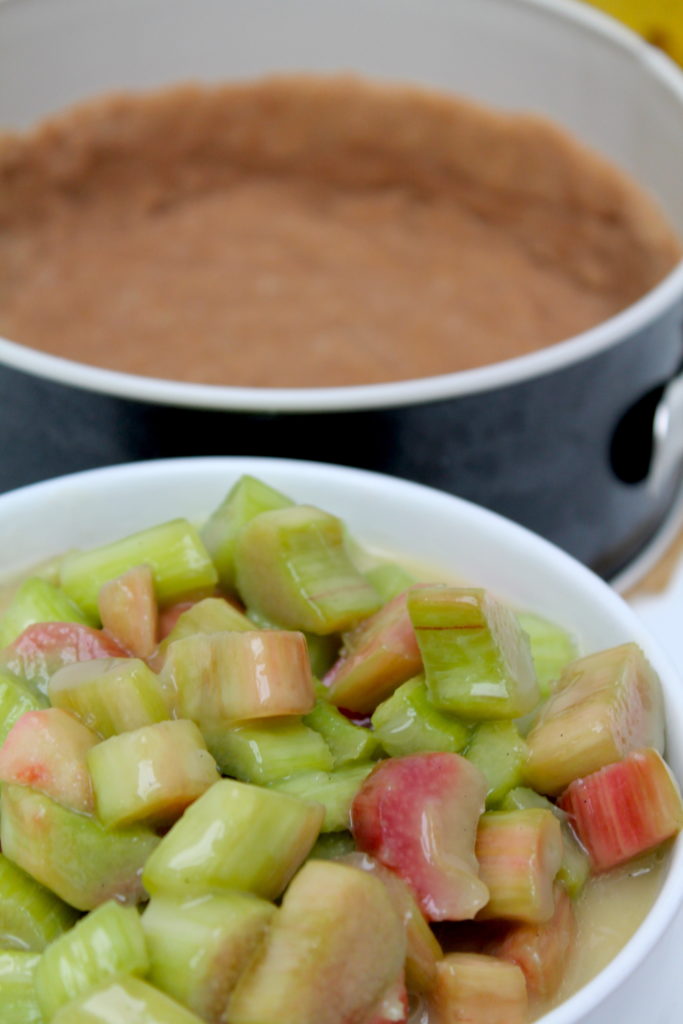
[{"x": 305, "y": 231}]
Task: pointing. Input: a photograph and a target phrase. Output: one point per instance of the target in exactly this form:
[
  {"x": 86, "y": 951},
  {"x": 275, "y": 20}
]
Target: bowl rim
[
  {"x": 417, "y": 391},
  {"x": 76, "y": 486}
]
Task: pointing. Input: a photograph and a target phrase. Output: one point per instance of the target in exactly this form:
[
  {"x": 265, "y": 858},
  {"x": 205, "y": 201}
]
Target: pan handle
[{"x": 667, "y": 435}]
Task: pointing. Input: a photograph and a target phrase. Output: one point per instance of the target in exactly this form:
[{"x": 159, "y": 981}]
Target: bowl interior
[{"x": 394, "y": 516}]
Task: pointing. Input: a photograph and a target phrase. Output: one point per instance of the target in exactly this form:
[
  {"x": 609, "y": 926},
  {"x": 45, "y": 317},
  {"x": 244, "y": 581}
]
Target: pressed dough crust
[{"x": 310, "y": 231}]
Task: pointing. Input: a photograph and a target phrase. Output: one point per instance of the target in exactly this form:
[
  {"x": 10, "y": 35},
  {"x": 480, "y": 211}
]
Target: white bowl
[{"x": 643, "y": 982}]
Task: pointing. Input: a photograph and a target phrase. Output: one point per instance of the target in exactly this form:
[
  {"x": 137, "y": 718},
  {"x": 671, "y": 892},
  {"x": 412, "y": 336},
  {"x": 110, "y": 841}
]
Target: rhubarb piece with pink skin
[
  {"x": 423, "y": 950},
  {"x": 418, "y": 815},
  {"x": 519, "y": 854},
  {"x": 476, "y": 656},
  {"x": 74, "y": 855},
  {"x": 543, "y": 950},
  {"x": 605, "y": 705},
  {"x": 218, "y": 679},
  {"x": 47, "y": 750},
  {"x": 334, "y": 953},
  {"x": 378, "y": 655},
  {"x": 44, "y": 648},
  {"x": 128, "y": 610},
  {"x": 473, "y": 988},
  {"x": 625, "y": 808}
]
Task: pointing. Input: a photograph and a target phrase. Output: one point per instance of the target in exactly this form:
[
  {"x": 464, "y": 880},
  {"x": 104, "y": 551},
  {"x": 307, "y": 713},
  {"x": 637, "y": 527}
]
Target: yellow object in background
[{"x": 658, "y": 21}]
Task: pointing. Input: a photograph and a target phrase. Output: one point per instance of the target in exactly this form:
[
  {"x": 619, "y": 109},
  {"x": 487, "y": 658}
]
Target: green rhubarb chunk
[
  {"x": 36, "y": 600},
  {"x": 211, "y": 615},
  {"x": 74, "y": 856},
  {"x": 270, "y": 749},
  {"x": 150, "y": 774},
  {"x": 389, "y": 579},
  {"x": 107, "y": 942},
  {"x": 575, "y": 868},
  {"x": 408, "y": 723},
  {"x": 551, "y": 648},
  {"x": 235, "y": 836},
  {"x": 17, "y": 992},
  {"x": 477, "y": 659},
  {"x": 109, "y": 695},
  {"x": 497, "y": 749},
  {"x": 248, "y": 498},
  {"x": 347, "y": 742},
  {"x": 31, "y": 916},
  {"x": 334, "y": 790},
  {"x": 292, "y": 566},
  {"x": 199, "y": 947},
  {"x": 125, "y": 1000},
  {"x": 180, "y": 564},
  {"x": 16, "y": 698},
  {"x": 332, "y": 846}
]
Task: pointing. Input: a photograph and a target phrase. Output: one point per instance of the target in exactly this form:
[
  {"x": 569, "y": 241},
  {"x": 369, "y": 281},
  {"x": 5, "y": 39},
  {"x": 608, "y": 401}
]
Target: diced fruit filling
[
  {"x": 624, "y": 809},
  {"x": 605, "y": 706},
  {"x": 334, "y": 950},
  {"x": 292, "y": 567},
  {"x": 45, "y": 647},
  {"x": 477, "y": 659},
  {"x": 150, "y": 774},
  {"x": 128, "y": 610},
  {"x": 198, "y": 948},
  {"x": 110, "y": 696},
  {"x": 218, "y": 679},
  {"x": 418, "y": 815},
  {"x": 378, "y": 656},
  {"x": 195, "y": 829},
  {"x": 542, "y": 950},
  {"x": 47, "y": 750},
  {"x": 519, "y": 855},
  {"x": 472, "y": 988},
  {"x": 104, "y": 943}
]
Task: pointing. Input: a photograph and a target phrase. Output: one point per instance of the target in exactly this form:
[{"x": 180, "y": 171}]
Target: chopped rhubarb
[
  {"x": 335, "y": 942},
  {"x": 418, "y": 815},
  {"x": 605, "y": 705},
  {"x": 541, "y": 950},
  {"x": 220, "y": 678},
  {"x": 80, "y": 860},
  {"x": 44, "y": 648},
  {"x": 423, "y": 949},
  {"x": 625, "y": 808},
  {"x": 519, "y": 854},
  {"x": 477, "y": 659},
  {"x": 110, "y": 695},
  {"x": 128, "y": 610},
  {"x": 292, "y": 567},
  {"x": 211, "y": 615},
  {"x": 199, "y": 947},
  {"x": 150, "y": 774},
  {"x": 235, "y": 836},
  {"x": 47, "y": 750},
  {"x": 378, "y": 655},
  {"x": 473, "y": 988}
]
